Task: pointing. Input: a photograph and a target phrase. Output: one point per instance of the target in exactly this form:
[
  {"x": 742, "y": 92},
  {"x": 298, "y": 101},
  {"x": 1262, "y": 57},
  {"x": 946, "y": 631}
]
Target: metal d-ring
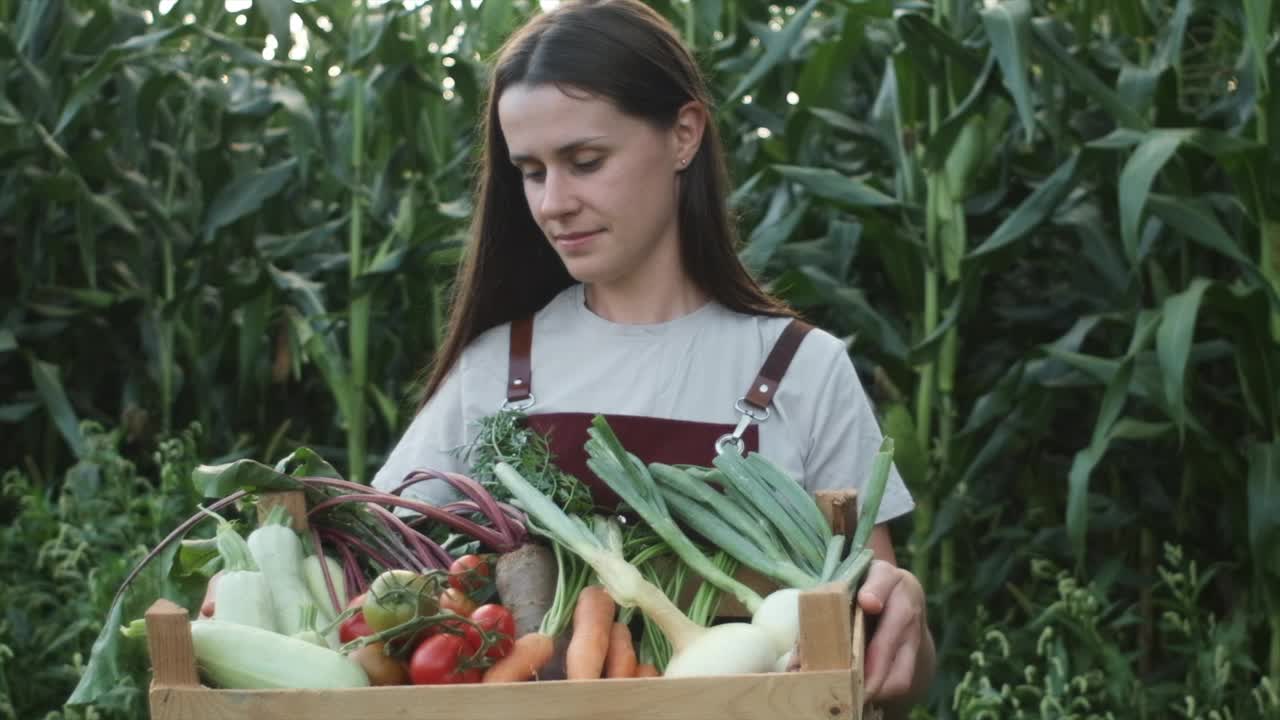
[
  {"x": 519, "y": 405},
  {"x": 747, "y": 413},
  {"x": 729, "y": 438}
]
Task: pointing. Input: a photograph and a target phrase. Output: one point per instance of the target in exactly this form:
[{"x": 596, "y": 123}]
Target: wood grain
[
  {"x": 794, "y": 696},
  {"x": 173, "y": 657},
  {"x": 825, "y": 632},
  {"x": 294, "y": 502},
  {"x": 840, "y": 508}
]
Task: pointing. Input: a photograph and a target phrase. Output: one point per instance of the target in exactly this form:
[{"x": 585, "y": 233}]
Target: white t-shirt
[{"x": 821, "y": 429}]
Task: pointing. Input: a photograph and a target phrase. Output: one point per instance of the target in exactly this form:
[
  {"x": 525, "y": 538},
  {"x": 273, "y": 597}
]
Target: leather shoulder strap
[
  {"x": 760, "y": 394},
  {"x": 520, "y": 365}
]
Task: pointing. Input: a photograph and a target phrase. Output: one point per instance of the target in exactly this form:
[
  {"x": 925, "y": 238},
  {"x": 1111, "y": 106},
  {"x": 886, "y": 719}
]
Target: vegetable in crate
[
  {"x": 724, "y": 649},
  {"x": 279, "y": 554},
  {"x": 533, "y": 652},
  {"x": 398, "y": 596},
  {"x": 243, "y": 657},
  {"x": 763, "y": 519},
  {"x": 505, "y": 437},
  {"x": 809, "y": 555},
  {"x": 349, "y": 519},
  {"x": 242, "y": 594}
]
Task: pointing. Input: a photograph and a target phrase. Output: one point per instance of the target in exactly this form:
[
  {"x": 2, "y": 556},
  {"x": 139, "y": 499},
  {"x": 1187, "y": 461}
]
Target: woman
[{"x": 602, "y": 267}]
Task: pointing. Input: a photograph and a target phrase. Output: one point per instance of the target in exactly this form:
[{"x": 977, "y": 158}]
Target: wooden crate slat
[
  {"x": 172, "y": 653},
  {"x": 294, "y": 502},
  {"x": 794, "y": 696}
]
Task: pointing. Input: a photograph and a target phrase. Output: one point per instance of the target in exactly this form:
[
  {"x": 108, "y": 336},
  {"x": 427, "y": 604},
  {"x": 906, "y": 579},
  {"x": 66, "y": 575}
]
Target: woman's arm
[{"x": 901, "y": 660}]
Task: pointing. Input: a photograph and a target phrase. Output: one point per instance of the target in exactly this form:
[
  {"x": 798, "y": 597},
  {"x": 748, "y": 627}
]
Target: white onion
[
  {"x": 779, "y": 614},
  {"x": 728, "y": 649}
]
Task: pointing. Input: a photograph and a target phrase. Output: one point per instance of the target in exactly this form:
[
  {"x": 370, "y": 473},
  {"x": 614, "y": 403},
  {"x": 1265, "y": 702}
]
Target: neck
[{"x": 644, "y": 301}]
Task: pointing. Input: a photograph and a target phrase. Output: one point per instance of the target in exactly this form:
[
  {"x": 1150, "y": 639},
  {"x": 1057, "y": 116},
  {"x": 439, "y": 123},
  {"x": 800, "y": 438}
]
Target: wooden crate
[{"x": 828, "y": 687}]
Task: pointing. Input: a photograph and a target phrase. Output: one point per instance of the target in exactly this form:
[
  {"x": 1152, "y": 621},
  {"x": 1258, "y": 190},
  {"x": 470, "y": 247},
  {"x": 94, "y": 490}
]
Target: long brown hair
[{"x": 623, "y": 51}]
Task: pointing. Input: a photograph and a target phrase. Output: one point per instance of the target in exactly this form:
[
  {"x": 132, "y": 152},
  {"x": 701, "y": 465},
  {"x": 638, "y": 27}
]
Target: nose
[{"x": 558, "y": 194}]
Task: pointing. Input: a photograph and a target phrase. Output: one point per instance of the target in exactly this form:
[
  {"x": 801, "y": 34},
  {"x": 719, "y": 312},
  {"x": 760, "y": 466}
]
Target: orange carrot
[
  {"x": 529, "y": 653},
  {"x": 592, "y": 624},
  {"x": 647, "y": 670},
  {"x": 621, "y": 659}
]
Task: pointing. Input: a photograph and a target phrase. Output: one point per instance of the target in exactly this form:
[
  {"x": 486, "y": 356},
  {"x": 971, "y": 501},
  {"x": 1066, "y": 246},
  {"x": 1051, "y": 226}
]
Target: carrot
[
  {"x": 529, "y": 653},
  {"x": 592, "y": 625},
  {"x": 647, "y": 670},
  {"x": 620, "y": 662}
]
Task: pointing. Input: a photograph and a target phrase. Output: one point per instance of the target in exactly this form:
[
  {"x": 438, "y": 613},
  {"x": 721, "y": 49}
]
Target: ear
[{"x": 686, "y": 133}]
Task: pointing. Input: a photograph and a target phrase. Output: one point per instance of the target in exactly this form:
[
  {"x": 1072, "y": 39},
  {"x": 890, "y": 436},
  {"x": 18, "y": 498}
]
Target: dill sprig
[{"x": 506, "y": 437}]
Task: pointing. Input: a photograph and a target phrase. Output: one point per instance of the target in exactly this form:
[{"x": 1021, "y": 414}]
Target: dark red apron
[{"x": 651, "y": 439}]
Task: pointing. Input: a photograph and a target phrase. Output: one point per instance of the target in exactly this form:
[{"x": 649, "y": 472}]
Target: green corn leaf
[
  {"x": 1038, "y": 206},
  {"x": 822, "y": 78},
  {"x": 8, "y": 341},
  {"x": 831, "y": 185},
  {"x": 1008, "y": 27},
  {"x": 48, "y": 382},
  {"x": 909, "y": 455},
  {"x": 776, "y": 48},
  {"x": 1258, "y": 30},
  {"x": 1169, "y": 48},
  {"x": 322, "y": 349},
  {"x": 276, "y": 13},
  {"x": 769, "y": 236},
  {"x": 1086, "y": 460},
  {"x": 1173, "y": 344},
  {"x": 1081, "y": 77},
  {"x": 86, "y": 87},
  {"x": 1136, "y": 178},
  {"x": 1192, "y": 218},
  {"x": 941, "y": 146},
  {"x": 1264, "y": 507},
  {"x": 246, "y": 194},
  {"x": 934, "y": 47}
]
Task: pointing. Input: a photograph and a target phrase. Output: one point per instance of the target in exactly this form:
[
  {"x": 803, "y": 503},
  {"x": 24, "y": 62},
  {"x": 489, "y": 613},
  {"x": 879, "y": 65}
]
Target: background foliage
[{"x": 1049, "y": 231}]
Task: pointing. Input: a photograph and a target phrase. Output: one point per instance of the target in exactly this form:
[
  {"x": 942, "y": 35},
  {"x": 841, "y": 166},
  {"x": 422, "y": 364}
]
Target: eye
[
  {"x": 587, "y": 165},
  {"x": 531, "y": 174}
]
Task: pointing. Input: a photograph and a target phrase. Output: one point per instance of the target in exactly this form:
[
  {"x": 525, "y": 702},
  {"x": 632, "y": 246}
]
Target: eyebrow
[{"x": 563, "y": 150}]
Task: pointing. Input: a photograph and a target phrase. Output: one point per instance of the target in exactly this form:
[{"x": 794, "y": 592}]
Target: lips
[
  {"x": 571, "y": 237},
  {"x": 575, "y": 242}
]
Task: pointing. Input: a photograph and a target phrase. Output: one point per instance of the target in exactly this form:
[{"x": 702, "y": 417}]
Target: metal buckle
[
  {"x": 747, "y": 413},
  {"x": 750, "y": 410},
  {"x": 519, "y": 405}
]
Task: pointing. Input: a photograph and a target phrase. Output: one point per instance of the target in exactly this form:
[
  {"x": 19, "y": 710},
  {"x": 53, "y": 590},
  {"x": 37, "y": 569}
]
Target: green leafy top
[{"x": 505, "y": 437}]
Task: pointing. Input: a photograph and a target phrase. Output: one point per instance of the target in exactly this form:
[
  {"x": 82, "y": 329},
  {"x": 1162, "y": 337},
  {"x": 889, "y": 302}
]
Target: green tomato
[{"x": 398, "y": 596}]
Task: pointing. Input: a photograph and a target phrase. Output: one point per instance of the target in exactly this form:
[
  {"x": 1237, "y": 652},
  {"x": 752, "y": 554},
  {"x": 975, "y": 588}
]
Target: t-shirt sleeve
[
  {"x": 845, "y": 433},
  {"x": 430, "y": 443}
]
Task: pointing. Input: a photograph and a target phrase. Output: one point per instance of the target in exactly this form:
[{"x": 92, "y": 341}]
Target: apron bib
[{"x": 673, "y": 442}]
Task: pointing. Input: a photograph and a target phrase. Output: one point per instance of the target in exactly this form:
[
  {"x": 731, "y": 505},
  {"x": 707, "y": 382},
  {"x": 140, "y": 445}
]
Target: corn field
[{"x": 1048, "y": 229}]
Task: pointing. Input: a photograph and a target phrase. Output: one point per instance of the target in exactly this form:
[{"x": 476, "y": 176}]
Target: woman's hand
[{"x": 899, "y": 662}]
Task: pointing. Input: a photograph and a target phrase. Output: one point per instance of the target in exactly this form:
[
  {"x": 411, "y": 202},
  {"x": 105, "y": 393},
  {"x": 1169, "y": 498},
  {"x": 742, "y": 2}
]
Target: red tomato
[
  {"x": 459, "y": 627},
  {"x": 456, "y": 601},
  {"x": 469, "y": 573},
  {"x": 493, "y": 618},
  {"x": 354, "y": 626},
  {"x": 436, "y": 662}
]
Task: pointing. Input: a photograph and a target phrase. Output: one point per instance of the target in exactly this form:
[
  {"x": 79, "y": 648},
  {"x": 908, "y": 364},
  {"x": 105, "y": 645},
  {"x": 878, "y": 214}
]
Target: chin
[{"x": 585, "y": 271}]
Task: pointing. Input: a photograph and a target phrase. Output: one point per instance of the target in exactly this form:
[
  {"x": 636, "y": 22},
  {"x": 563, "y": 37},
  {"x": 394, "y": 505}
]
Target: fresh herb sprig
[{"x": 506, "y": 437}]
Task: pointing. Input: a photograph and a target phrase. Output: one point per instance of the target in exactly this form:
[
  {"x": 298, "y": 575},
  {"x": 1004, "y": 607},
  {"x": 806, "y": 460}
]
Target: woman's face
[{"x": 602, "y": 185}]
